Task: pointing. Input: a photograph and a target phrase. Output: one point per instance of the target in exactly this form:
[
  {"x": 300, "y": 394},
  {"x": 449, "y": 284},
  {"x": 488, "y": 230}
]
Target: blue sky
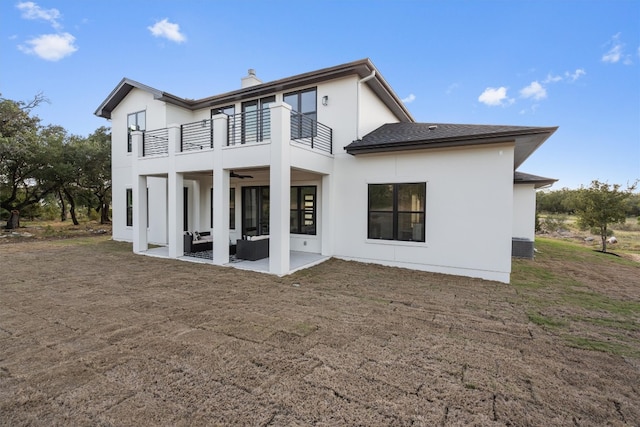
[{"x": 572, "y": 64}]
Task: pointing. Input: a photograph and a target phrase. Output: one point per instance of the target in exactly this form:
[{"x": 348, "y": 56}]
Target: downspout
[{"x": 362, "y": 80}]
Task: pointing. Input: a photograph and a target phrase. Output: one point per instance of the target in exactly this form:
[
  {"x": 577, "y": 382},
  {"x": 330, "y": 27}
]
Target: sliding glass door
[{"x": 255, "y": 211}]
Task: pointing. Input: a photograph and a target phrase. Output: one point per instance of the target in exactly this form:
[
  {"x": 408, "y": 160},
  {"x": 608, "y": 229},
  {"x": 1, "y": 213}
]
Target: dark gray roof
[
  {"x": 527, "y": 178},
  {"x": 414, "y": 136},
  {"x": 362, "y": 68},
  {"x": 122, "y": 90}
]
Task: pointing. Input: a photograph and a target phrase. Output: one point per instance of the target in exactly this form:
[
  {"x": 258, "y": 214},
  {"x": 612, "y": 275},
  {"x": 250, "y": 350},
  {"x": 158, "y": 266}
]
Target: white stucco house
[{"x": 329, "y": 163}]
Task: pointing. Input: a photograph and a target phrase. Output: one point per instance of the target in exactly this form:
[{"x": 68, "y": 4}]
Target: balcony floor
[{"x": 297, "y": 260}]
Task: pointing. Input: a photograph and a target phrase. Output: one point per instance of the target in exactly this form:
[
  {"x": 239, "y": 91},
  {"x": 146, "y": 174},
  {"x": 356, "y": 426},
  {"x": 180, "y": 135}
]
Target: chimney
[{"x": 250, "y": 79}]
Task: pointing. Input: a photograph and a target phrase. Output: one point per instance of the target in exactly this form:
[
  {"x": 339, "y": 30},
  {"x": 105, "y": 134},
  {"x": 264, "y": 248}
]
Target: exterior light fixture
[{"x": 325, "y": 100}]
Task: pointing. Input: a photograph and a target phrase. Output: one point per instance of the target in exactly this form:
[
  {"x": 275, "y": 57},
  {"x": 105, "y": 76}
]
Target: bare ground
[{"x": 91, "y": 334}]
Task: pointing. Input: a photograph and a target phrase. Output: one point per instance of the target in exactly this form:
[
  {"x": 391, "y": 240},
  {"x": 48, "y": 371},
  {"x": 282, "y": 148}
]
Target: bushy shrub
[{"x": 554, "y": 223}]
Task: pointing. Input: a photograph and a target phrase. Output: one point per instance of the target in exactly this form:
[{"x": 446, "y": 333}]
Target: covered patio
[{"x": 297, "y": 260}]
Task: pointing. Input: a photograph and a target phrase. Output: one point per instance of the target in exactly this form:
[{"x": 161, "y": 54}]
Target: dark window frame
[
  {"x": 305, "y": 211},
  {"x": 129, "y": 207},
  {"x": 256, "y": 124},
  {"x": 185, "y": 208},
  {"x": 262, "y": 193},
  {"x": 137, "y": 126},
  {"x": 298, "y": 129},
  {"x": 396, "y": 214}
]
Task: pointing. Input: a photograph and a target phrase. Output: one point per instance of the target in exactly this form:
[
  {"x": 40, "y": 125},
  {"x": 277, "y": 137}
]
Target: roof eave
[
  {"x": 362, "y": 68},
  {"x": 461, "y": 141},
  {"x": 120, "y": 92}
]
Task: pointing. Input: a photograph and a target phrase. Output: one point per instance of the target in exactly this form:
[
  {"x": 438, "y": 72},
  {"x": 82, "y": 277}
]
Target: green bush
[{"x": 554, "y": 223}]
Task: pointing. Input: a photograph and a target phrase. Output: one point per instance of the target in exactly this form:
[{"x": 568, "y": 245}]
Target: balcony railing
[
  {"x": 310, "y": 132},
  {"x": 255, "y": 126},
  {"x": 249, "y": 127},
  {"x": 196, "y": 136},
  {"x": 155, "y": 142},
  {"x": 243, "y": 128}
]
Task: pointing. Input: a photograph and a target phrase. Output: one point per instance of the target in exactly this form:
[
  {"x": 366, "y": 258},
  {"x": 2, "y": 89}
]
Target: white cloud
[
  {"x": 616, "y": 53},
  {"x": 576, "y": 74},
  {"x": 409, "y": 99},
  {"x": 613, "y": 55},
  {"x": 535, "y": 90},
  {"x": 167, "y": 30},
  {"x": 30, "y": 10},
  {"x": 552, "y": 79},
  {"x": 51, "y": 47},
  {"x": 494, "y": 96}
]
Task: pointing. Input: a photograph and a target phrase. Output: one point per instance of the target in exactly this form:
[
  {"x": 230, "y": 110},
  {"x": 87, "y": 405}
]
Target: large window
[
  {"x": 135, "y": 121},
  {"x": 305, "y": 115},
  {"x": 255, "y": 211},
  {"x": 185, "y": 209},
  {"x": 256, "y": 120},
  {"x": 232, "y": 208},
  {"x": 229, "y": 110},
  {"x": 303, "y": 210},
  {"x": 397, "y": 212},
  {"x": 129, "y": 207}
]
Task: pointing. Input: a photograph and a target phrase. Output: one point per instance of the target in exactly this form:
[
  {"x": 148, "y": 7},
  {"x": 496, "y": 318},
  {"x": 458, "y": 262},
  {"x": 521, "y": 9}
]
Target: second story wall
[
  {"x": 179, "y": 115},
  {"x": 373, "y": 112},
  {"x": 136, "y": 101},
  {"x": 340, "y": 112}
]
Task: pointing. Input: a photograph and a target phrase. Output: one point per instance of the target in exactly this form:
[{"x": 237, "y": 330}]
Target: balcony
[{"x": 242, "y": 128}]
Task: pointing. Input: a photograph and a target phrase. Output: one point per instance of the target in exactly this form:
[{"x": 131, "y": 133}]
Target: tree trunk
[
  {"x": 63, "y": 207},
  {"x": 603, "y": 235},
  {"x": 14, "y": 220},
  {"x": 104, "y": 213},
  {"x": 72, "y": 209}
]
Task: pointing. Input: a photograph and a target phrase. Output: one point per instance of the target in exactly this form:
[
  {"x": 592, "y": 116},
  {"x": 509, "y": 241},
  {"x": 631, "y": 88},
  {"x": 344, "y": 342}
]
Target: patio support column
[
  {"x": 221, "y": 182},
  {"x": 139, "y": 193},
  {"x": 175, "y": 217},
  {"x": 326, "y": 217},
  {"x": 280, "y": 188},
  {"x": 175, "y": 198}
]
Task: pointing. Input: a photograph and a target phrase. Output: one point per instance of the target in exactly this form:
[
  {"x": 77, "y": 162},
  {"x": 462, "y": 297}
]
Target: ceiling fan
[{"x": 237, "y": 175}]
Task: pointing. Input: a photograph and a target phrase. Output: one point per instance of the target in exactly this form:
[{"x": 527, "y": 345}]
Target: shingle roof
[
  {"x": 527, "y": 178},
  {"x": 412, "y": 136}
]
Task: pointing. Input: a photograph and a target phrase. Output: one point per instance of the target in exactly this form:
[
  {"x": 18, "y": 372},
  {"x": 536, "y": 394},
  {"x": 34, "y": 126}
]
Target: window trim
[
  {"x": 129, "y": 207},
  {"x": 260, "y": 119},
  {"x": 297, "y": 117},
  {"x": 300, "y": 210},
  {"x": 395, "y": 215},
  {"x": 135, "y": 113}
]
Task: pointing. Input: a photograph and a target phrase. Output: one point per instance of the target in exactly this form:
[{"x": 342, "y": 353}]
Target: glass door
[{"x": 255, "y": 211}]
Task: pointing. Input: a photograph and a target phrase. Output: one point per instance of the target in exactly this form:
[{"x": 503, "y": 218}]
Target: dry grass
[{"x": 91, "y": 334}]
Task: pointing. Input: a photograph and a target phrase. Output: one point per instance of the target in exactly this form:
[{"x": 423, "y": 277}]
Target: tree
[
  {"x": 24, "y": 158},
  {"x": 96, "y": 176},
  {"x": 600, "y": 205}
]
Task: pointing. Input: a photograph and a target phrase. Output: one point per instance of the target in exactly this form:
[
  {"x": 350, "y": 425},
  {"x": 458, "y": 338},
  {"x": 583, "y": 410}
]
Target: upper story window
[
  {"x": 304, "y": 103},
  {"x": 397, "y": 211},
  {"x": 229, "y": 110},
  {"x": 135, "y": 121},
  {"x": 256, "y": 119}
]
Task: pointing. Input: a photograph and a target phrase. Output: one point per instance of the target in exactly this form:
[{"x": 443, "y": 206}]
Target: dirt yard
[{"x": 91, "y": 334}]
